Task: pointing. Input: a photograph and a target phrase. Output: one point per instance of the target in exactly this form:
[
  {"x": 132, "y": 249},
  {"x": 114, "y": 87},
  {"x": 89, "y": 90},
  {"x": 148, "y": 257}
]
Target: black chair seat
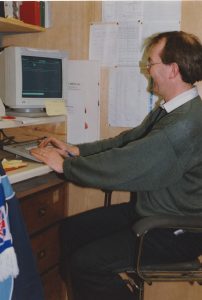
[
  {"x": 190, "y": 271},
  {"x": 183, "y": 266}
]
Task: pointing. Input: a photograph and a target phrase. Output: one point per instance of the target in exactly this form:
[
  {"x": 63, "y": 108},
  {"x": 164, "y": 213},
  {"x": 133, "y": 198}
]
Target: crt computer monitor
[{"x": 29, "y": 77}]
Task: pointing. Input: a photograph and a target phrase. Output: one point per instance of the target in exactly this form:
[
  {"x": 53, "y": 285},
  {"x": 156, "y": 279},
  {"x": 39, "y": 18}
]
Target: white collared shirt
[{"x": 179, "y": 100}]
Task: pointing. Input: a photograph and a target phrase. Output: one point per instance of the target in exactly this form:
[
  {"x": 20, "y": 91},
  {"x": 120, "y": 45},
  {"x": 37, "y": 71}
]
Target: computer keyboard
[{"x": 22, "y": 149}]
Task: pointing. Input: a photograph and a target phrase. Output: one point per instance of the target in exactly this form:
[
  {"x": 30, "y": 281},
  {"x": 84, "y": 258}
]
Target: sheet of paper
[
  {"x": 121, "y": 11},
  {"x": 129, "y": 97},
  {"x": 117, "y": 11},
  {"x": 161, "y": 10},
  {"x": 158, "y": 26},
  {"x": 55, "y": 107},
  {"x": 115, "y": 44},
  {"x": 75, "y": 127},
  {"x": 104, "y": 43},
  {"x": 149, "y": 29},
  {"x": 126, "y": 107},
  {"x": 83, "y": 101},
  {"x": 129, "y": 40}
]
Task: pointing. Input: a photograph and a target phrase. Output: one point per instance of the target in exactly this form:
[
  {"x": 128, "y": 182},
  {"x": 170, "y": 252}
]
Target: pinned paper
[
  {"x": 55, "y": 107},
  {"x": 2, "y": 108}
]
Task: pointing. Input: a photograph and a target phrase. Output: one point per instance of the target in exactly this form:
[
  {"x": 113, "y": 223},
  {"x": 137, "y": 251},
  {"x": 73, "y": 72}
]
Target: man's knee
[{"x": 81, "y": 262}]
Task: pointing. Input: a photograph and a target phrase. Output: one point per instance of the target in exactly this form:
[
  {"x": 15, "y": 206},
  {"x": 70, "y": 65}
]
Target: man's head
[{"x": 174, "y": 62}]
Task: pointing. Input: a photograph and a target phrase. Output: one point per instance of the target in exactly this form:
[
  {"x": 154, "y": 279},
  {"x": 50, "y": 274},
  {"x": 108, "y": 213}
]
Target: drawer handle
[
  {"x": 42, "y": 211},
  {"x": 41, "y": 254}
]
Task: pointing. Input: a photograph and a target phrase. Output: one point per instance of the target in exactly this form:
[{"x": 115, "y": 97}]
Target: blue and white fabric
[{"x": 8, "y": 260}]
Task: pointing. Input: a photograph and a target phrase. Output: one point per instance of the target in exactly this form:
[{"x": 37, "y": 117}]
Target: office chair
[{"x": 190, "y": 271}]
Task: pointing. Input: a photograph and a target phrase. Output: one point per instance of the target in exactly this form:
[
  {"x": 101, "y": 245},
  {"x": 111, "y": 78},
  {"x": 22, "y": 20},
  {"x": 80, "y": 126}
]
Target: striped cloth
[
  {"x": 8, "y": 260},
  {"x": 27, "y": 284}
]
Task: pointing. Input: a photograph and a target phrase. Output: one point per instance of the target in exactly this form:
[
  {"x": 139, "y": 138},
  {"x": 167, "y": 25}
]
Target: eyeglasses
[{"x": 148, "y": 65}]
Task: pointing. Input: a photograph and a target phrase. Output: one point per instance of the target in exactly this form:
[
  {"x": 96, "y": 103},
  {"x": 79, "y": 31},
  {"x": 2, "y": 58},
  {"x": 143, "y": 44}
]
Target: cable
[{"x": 8, "y": 140}]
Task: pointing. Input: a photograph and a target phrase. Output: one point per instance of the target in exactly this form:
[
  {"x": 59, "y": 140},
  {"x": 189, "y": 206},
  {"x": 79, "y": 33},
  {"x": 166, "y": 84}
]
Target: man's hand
[
  {"x": 49, "y": 156},
  {"x": 64, "y": 148}
]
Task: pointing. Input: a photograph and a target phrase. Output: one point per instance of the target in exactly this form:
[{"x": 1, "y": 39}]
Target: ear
[{"x": 174, "y": 70}]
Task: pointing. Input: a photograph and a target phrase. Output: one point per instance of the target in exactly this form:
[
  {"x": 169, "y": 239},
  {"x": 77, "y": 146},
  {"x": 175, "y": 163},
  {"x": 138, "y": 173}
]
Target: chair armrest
[{"x": 183, "y": 222}]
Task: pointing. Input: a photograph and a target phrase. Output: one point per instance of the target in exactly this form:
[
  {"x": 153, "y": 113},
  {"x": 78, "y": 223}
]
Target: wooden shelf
[
  {"x": 23, "y": 121},
  {"x": 16, "y": 26},
  {"x": 32, "y": 170}
]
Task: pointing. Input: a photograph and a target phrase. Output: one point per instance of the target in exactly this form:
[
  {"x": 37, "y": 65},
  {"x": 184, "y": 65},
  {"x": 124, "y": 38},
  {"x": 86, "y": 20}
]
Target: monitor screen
[
  {"x": 41, "y": 77},
  {"x": 29, "y": 77}
]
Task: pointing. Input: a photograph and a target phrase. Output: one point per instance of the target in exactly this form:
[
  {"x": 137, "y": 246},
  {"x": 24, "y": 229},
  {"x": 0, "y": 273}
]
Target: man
[{"x": 161, "y": 160}]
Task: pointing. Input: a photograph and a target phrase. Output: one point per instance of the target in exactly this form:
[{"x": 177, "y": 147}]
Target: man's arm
[
  {"x": 116, "y": 142},
  {"x": 146, "y": 164}
]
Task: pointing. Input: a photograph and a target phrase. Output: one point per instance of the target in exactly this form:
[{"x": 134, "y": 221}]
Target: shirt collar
[{"x": 179, "y": 100}]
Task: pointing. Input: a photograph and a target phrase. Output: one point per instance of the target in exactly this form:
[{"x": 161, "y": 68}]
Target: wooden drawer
[
  {"x": 54, "y": 288},
  {"x": 44, "y": 208},
  {"x": 43, "y": 203},
  {"x": 46, "y": 248}
]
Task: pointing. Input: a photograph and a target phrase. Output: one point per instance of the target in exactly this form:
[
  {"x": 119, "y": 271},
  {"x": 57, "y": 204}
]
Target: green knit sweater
[{"x": 164, "y": 166}]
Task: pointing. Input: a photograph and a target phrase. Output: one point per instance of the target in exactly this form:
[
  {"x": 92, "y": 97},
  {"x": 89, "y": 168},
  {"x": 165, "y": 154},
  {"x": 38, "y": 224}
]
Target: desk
[
  {"x": 24, "y": 121},
  {"x": 31, "y": 170},
  {"x": 44, "y": 202}
]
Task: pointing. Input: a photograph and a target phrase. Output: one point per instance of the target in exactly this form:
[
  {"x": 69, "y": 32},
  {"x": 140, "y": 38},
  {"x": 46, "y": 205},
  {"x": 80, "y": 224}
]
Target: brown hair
[{"x": 183, "y": 48}]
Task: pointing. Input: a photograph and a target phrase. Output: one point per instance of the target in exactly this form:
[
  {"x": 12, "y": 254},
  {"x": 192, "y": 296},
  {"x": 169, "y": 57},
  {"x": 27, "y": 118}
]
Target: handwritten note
[{"x": 55, "y": 107}]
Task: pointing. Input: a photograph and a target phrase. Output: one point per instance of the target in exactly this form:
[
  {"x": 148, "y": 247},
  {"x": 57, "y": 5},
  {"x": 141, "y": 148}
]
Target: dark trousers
[{"x": 98, "y": 244}]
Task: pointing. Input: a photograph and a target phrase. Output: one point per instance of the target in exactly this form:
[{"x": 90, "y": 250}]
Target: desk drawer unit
[
  {"x": 46, "y": 248},
  {"x": 54, "y": 288},
  {"x": 43, "y": 203},
  {"x": 43, "y": 208}
]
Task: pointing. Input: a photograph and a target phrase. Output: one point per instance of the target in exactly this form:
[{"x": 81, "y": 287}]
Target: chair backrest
[{"x": 108, "y": 197}]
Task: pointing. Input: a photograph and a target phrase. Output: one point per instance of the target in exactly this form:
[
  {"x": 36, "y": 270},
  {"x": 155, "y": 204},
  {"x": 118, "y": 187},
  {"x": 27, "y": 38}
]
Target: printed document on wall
[
  {"x": 160, "y": 16},
  {"x": 115, "y": 44},
  {"x": 121, "y": 11},
  {"x": 126, "y": 108},
  {"x": 104, "y": 43},
  {"x": 161, "y": 10},
  {"x": 83, "y": 124},
  {"x": 130, "y": 97}
]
